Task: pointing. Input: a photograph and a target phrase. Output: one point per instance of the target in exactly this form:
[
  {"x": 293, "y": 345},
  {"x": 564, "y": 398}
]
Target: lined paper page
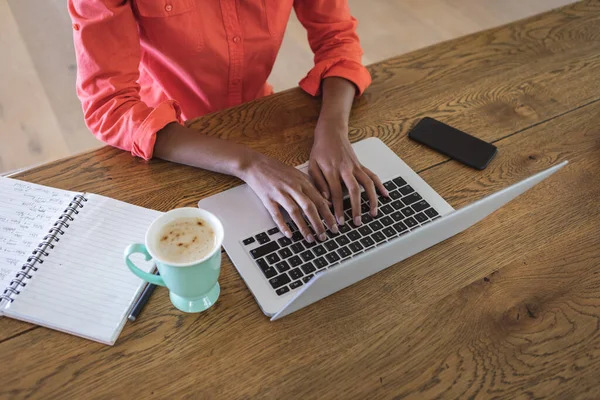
[
  {"x": 27, "y": 212},
  {"x": 84, "y": 286}
]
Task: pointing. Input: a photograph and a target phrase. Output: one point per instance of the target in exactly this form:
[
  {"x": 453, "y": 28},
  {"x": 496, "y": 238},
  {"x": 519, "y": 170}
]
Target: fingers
[
  {"x": 337, "y": 198},
  {"x": 319, "y": 179},
  {"x": 378, "y": 184},
  {"x": 273, "y": 209},
  {"x": 366, "y": 182},
  {"x": 295, "y": 212},
  {"x": 323, "y": 208},
  {"x": 354, "y": 194},
  {"x": 308, "y": 207}
]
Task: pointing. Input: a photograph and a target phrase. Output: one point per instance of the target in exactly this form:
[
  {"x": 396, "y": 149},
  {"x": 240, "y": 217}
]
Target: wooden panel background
[{"x": 510, "y": 308}]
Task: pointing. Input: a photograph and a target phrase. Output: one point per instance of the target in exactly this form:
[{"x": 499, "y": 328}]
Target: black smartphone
[{"x": 454, "y": 143}]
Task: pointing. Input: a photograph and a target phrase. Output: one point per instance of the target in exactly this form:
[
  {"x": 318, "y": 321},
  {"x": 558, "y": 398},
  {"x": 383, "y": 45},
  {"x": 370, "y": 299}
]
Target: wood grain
[
  {"x": 408, "y": 331},
  {"x": 526, "y": 73},
  {"x": 509, "y": 309}
]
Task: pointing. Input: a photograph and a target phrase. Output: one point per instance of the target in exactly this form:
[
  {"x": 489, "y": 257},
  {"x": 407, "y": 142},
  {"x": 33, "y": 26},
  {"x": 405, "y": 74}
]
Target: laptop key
[
  {"x": 378, "y": 237},
  {"x": 397, "y": 204},
  {"x": 332, "y": 257},
  {"x": 292, "y": 226},
  {"x": 248, "y": 241},
  {"x": 421, "y": 217},
  {"x": 309, "y": 245},
  {"x": 273, "y": 231},
  {"x": 344, "y": 252},
  {"x": 375, "y": 225},
  {"x": 279, "y": 280},
  {"x": 407, "y": 211},
  {"x": 308, "y": 268},
  {"x": 366, "y": 218},
  {"x": 367, "y": 242},
  {"x": 284, "y": 241},
  {"x": 269, "y": 272},
  {"x": 389, "y": 232},
  {"x": 296, "y": 284},
  {"x": 406, "y": 190},
  {"x": 297, "y": 248},
  {"x": 398, "y": 216},
  {"x": 365, "y": 230},
  {"x": 395, "y": 194},
  {"x": 307, "y": 278},
  {"x": 319, "y": 250},
  {"x": 342, "y": 240},
  {"x": 400, "y": 227},
  {"x": 273, "y": 258},
  {"x": 294, "y": 261},
  {"x": 387, "y": 221},
  {"x": 399, "y": 182},
  {"x": 364, "y": 208},
  {"x": 344, "y": 228},
  {"x": 307, "y": 255},
  {"x": 385, "y": 200},
  {"x": 264, "y": 250},
  {"x": 411, "y": 198},
  {"x": 387, "y": 209},
  {"x": 297, "y": 236},
  {"x": 355, "y": 247},
  {"x": 420, "y": 205},
  {"x": 295, "y": 274},
  {"x": 410, "y": 222},
  {"x": 389, "y": 185},
  {"x": 262, "y": 238},
  {"x": 431, "y": 213},
  {"x": 282, "y": 290},
  {"x": 353, "y": 235},
  {"x": 285, "y": 253},
  {"x": 282, "y": 266},
  {"x": 320, "y": 262},
  {"x": 364, "y": 196},
  {"x": 331, "y": 245}
]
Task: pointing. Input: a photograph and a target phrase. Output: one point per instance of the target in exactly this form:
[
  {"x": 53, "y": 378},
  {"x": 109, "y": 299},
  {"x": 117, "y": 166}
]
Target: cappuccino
[{"x": 185, "y": 240}]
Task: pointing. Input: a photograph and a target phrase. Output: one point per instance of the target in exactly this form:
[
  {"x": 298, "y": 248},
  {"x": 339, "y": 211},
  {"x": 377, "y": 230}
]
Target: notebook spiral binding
[{"x": 43, "y": 250}]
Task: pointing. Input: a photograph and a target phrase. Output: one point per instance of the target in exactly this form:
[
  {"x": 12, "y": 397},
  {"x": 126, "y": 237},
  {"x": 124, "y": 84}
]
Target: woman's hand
[
  {"x": 333, "y": 161},
  {"x": 277, "y": 184}
]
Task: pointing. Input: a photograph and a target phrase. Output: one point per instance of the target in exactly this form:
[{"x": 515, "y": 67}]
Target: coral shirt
[{"x": 145, "y": 63}]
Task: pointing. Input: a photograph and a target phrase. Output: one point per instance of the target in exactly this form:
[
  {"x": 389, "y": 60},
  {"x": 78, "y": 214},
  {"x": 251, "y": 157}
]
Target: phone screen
[{"x": 454, "y": 143}]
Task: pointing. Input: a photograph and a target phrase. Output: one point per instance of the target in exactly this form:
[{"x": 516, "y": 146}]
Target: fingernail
[
  {"x": 288, "y": 234},
  {"x": 374, "y": 212},
  {"x": 340, "y": 220},
  {"x": 322, "y": 237},
  {"x": 310, "y": 239},
  {"x": 386, "y": 193},
  {"x": 357, "y": 221},
  {"x": 335, "y": 229}
]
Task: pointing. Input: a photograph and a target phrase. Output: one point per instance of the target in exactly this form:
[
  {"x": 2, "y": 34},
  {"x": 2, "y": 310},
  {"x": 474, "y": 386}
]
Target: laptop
[{"x": 285, "y": 275}]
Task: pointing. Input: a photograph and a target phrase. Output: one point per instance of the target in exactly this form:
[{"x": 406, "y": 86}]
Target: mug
[{"x": 193, "y": 287}]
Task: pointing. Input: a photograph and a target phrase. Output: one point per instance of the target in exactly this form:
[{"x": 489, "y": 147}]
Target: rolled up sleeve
[
  {"x": 334, "y": 42},
  {"x": 107, "y": 47}
]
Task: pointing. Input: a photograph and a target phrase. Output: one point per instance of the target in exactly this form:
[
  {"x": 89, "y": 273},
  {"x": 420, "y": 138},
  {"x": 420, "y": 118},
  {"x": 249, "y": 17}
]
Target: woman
[{"x": 144, "y": 66}]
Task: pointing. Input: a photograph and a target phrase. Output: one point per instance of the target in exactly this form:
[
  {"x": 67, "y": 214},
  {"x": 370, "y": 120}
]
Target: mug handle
[{"x": 140, "y": 248}]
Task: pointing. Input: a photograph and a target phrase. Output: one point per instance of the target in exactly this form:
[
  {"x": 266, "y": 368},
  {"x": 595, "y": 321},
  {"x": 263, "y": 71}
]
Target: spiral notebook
[{"x": 61, "y": 259}]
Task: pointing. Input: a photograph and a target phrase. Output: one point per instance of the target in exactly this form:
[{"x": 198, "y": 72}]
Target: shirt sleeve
[
  {"x": 333, "y": 39},
  {"x": 107, "y": 47}
]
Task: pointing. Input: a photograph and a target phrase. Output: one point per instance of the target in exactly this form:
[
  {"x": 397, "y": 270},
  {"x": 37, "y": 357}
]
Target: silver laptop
[{"x": 285, "y": 275}]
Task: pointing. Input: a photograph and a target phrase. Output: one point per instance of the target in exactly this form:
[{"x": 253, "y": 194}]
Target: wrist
[
  {"x": 248, "y": 163},
  {"x": 327, "y": 128}
]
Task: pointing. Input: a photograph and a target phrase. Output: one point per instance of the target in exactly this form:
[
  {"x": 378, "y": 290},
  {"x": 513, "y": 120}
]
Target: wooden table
[{"x": 510, "y": 308}]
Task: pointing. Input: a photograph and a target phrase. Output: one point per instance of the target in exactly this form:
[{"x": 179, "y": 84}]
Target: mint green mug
[{"x": 193, "y": 287}]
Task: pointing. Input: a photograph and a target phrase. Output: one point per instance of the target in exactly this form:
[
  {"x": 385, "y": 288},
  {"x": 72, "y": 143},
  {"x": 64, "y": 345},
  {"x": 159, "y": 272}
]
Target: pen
[{"x": 142, "y": 300}]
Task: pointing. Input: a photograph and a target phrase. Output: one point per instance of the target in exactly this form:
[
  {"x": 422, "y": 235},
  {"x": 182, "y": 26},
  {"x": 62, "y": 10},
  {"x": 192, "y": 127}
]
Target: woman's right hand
[{"x": 278, "y": 184}]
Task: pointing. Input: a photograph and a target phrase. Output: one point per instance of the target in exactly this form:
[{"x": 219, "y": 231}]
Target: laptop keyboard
[{"x": 290, "y": 263}]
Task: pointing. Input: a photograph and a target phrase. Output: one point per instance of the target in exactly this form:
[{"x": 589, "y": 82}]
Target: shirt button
[
  {"x": 168, "y": 8},
  {"x": 236, "y": 39}
]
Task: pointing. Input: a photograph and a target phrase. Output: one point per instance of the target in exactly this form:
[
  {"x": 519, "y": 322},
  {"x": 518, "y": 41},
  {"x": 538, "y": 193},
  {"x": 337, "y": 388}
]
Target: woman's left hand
[{"x": 333, "y": 162}]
